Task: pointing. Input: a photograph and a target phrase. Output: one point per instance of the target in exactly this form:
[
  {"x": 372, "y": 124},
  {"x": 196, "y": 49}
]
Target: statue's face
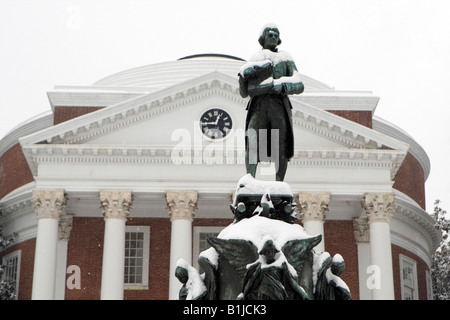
[{"x": 271, "y": 40}]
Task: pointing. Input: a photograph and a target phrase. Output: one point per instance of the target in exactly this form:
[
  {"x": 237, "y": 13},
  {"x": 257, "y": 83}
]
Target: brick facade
[
  {"x": 361, "y": 117},
  {"x": 14, "y": 170},
  {"x": 339, "y": 238},
  {"x": 62, "y": 114},
  {"x": 410, "y": 180}
]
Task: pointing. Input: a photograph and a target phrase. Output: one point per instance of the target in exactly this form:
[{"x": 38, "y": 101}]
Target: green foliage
[{"x": 440, "y": 268}]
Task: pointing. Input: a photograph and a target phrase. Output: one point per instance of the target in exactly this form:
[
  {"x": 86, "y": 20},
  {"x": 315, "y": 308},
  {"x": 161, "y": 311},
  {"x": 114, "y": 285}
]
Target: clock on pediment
[{"x": 215, "y": 123}]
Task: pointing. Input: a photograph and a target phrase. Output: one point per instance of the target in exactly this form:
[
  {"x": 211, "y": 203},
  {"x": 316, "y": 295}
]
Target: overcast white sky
[{"x": 398, "y": 49}]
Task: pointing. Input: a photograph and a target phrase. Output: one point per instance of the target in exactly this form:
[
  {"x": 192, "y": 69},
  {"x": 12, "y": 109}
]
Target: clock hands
[
  {"x": 214, "y": 123},
  {"x": 217, "y": 119}
]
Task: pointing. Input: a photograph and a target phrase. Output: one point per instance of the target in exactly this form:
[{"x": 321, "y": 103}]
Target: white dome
[{"x": 166, "y": 74}]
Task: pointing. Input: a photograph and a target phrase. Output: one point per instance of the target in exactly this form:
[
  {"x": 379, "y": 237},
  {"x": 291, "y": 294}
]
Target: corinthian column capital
[
  {"x": 313, "y": 206},
  {"x": 379, "y": 206},
  {"x": 116, "y": 203},
  {"x": 49, "y": 203},
  {"x": 181, "y": 204}
]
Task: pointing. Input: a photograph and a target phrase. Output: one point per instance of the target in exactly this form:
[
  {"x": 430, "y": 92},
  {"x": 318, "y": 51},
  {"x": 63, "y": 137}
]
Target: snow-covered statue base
[{"x": 263, "y": 254}]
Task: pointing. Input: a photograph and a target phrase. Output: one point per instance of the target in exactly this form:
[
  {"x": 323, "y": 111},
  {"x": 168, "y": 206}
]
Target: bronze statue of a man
[{"x": 268, "y": 78}]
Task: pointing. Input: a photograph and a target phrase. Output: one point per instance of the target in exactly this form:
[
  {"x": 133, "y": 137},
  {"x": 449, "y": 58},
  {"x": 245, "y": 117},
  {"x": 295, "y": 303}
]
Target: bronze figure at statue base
[{"x": 263, "y": 255}]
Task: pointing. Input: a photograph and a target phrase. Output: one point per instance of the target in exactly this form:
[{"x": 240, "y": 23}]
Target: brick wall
[
  {"x": 85, "y": 249},
  {"x": 62, "y": 114},
  {"x": 361, "y": 117},
  {"x": 339, "y": 238},
  {"x": 410, "y": 180},
  {"x": 14, "y": 170}
]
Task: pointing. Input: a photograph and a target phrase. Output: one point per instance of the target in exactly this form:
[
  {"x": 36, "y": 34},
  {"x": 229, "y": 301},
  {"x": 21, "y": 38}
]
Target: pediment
[{"x": 153, "y": 123}]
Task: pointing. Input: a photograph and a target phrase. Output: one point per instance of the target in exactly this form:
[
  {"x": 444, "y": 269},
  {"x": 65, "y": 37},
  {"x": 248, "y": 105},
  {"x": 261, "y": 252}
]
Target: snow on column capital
[
  {"x": 313, "y": 206},
  {"x": 49, "y": 203},
  {"x": 116, "y": 203},
  {"x": 181, "y": 204},
  {"x": 379, "y": 206}
]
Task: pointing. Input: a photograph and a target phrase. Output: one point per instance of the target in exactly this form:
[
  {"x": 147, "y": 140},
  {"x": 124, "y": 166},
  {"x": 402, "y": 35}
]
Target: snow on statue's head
[{"x": 268, "y": 28}]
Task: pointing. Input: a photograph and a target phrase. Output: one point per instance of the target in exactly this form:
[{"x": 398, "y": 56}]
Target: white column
[
  {"x": 115, "y": 206},
  {"x": 65, "y": 226},
  {"x": 379, "y": 208},
  {"x": 48, "y": 205},
  {"x": 312, "y": 214},
  {"x": 182, "y": 206},
  {"x": 362, "y": 236}
]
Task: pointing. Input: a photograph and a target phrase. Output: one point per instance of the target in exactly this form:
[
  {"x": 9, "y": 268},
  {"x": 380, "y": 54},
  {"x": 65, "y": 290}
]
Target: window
[
  {"x": 408, "y": 278},
  {"x": 137, "y": 244},
  {"x": 12, "y": 269},
  {"x": 200, "y": 242}
]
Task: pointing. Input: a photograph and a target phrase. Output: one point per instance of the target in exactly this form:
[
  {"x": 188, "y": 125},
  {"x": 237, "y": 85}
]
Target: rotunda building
[{"x": 120, "y": 179}]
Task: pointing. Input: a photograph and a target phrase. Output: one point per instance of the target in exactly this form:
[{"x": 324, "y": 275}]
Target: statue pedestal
[{"x": 263, "y": 254}]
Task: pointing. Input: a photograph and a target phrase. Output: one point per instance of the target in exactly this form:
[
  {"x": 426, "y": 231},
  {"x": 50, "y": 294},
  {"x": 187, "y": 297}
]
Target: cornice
[
  {"x": 84, "y": 128},
  {"x": 134, "y": 154},
  {"x": 37, "y": 123},
  {"x": 415, "y": 149},
  {"x": 340, "y": 100},
  {"x": 88, "y": 98},
  {"x": 341, "y": 130},
  {"x": 48, "y": 144},
  {"x": 407, "y": 210},
  {"x": 125, "y": 113}
]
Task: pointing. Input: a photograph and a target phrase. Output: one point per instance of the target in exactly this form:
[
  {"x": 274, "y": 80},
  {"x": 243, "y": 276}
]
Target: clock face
[{"x": 215, "y": 123}]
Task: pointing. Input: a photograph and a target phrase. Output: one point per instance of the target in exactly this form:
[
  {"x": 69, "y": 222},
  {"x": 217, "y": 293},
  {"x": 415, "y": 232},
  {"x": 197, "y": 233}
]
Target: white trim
[
  {"x": 146, "y": 257},
  {"x": 410, "y": 213},
  {"x": 88, "y": 97},
  {"x": 429, "y": 282},
  {"x": 32, "y": 125},
  {"x": 395, "y": 132},
  {"x": 403, "y": 260},
  {"x": 332, "y": 100}
]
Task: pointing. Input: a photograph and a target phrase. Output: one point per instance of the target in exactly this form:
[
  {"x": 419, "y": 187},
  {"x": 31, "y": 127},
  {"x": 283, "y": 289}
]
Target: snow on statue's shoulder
[
  {"x": 274, "y": 56},
  {"x": 212, "y": 256},
  {"x": 249, "y": 185}
]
